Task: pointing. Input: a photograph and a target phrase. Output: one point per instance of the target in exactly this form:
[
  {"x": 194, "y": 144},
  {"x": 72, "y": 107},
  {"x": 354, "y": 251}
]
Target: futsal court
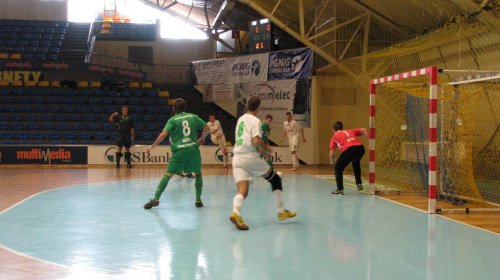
[{"x": 85, "y": 223}]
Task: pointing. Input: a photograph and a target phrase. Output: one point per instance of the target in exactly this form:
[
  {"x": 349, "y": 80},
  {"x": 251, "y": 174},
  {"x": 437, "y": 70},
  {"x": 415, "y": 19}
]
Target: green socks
[
  {"x": 198, "y": 183},
  {"x": 161, "y": 186}
]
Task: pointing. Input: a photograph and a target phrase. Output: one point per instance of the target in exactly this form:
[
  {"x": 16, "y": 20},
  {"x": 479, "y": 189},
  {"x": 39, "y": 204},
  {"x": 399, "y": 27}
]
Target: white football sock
[{"x": 237, "y": 203}]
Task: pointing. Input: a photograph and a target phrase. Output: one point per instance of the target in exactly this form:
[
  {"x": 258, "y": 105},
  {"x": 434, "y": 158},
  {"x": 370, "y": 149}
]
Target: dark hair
[
  {"x": 269, "y": 117},
  {"x": 253, "y": 103},
  {"x": 288, "y": 113},
  {"x": 180, "y": 106},
  {"x": 338, "y": 125},
  {"x": 124, "y": 107}
]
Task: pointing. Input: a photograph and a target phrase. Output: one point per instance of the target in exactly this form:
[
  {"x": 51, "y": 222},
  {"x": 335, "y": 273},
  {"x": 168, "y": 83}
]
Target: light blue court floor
[{"x": 102, "y": 229}]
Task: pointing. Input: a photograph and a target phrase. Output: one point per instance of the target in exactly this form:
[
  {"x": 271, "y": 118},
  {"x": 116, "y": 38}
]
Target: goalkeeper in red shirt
[{"x": 352, "y": 151}]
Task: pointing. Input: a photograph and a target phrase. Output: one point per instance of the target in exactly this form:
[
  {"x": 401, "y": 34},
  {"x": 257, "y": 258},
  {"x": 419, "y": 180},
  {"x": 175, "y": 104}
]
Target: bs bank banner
[
  {"x": 294, "y": 64},
  {"x": 161, "y": 155},
  {"x": 247, "y": 68},
  {"x": 209, "y": 71}
]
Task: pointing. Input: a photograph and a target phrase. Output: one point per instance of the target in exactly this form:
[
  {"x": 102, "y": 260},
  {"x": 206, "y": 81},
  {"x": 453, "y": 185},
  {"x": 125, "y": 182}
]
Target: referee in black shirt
[{"x": 125, "y": 135}]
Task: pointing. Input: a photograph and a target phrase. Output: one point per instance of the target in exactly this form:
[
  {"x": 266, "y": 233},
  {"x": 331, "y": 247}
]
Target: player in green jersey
[
  {"x": 266, "y": 130},
  {"x": 183, "y": 128}
]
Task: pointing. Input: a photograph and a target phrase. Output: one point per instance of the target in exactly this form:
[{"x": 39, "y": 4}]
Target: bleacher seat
[
  {"x": 137, "y": 94},
  {"x": 107, "y": 126},
  {"x": 150, "y": 126},
  {"x": 85, "y": 136},
  {"x": 45, "y": 118},
  {"x": 134, "y": 118},
  {"x": 15, "y": 55},
  {"x": 10, "y": 109},
  {"x": 62, "y": 126},
  {"x": 79, "y": 101},
  {"x": 3, "y": 117},
  {"x": 32, "y": 126},
  {"x": 147, "y": 101},
  {"x": 95, "y": 84},
  {"x": 133, "y": 85},
  {"x": 147, "y": 85},
  {"x": 151, "y": 94},
  {"x": 88, "y": 118},
  {"x": 60, "y": 118},
  {"x": 93, "y": 101},
  {"x": 47, "y": 126},
  {"x": 164, "y": 110},
  {"x": 120, "y": 101},
  {"x": 81, "y": 109},
  {"x": 54, "y": 109},
  {"x": 17, "y": 126},
  {"x": 23, "y": 135},
  {"x": 125, "y": 94},
  {"x": 55, "y": 142},
  {"x": 7, "y": 135},
  {"x": 138, "y": 127},
  {"x": 103, "y": 118},
  {"x": 4, "y": 126},
  {"x": 92, "y": 126},
  {"x": 100, "y": 136},
  {"x": 113, "y": 136},
  {"x": 38, "y": 135},
  {"x": 25, "y": 109},
  {"x": 68, "y": 109},
  {"x": 145, "y": 136},
  {"x": 54, "y": 135},
  {"x": 77, "y": 126},
  {"x": 82, "y": 84},
  {"x": 151, "y": 110},
  {"x": 72, "y": 142},
  {"x": 66, "y": 100},
  {"x": 24, "y": 100},
  {"x": 69, "y": 136},
  {"x": 146, "y": 118},
  {"x": 133, "y": 101},
  {"x": 74, "y": 118},
  {"x": 30, "y": 118},
  {"x": 137, "y": 110},
  {"x": 96, "y": 110},
  {"x": 15, "y": 117}
]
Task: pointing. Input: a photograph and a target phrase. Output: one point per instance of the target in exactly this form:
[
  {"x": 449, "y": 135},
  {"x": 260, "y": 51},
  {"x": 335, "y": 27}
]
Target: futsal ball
[{"x": 280, "y": 174}]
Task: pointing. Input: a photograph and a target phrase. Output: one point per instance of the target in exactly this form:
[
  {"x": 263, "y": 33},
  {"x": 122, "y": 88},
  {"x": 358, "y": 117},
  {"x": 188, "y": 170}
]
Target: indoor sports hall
[{"x": 416, "y": 82}]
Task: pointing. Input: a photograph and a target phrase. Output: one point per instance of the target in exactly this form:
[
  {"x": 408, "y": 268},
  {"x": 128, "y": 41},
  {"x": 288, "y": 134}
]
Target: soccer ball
[{"x": 280, "y": 174}]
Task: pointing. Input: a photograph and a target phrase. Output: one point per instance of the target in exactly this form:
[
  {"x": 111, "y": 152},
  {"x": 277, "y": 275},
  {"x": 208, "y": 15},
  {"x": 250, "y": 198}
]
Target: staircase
[
  {"x": 196, "y": 106},
  {"x": 75, "y": 46}
]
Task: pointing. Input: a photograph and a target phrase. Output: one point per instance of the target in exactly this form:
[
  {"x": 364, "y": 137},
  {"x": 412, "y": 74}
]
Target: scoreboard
[{"x": 260, "y": 39}]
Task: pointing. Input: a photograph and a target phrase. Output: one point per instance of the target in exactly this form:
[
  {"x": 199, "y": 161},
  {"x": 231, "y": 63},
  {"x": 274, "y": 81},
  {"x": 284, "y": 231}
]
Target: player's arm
[
  {"x": 332, "y": 156},
  {"x": 204, "y": 134},
  {"x": 284, "y": 133},
  {"x": 112, "y": 118},
  {"x": 160, "y": 138},
  {"x": 257, "y": 141},
  {"x": 132, "y": 133},
  {"x": 365, "y": 132},
  {"x": 303, "y": 136}
]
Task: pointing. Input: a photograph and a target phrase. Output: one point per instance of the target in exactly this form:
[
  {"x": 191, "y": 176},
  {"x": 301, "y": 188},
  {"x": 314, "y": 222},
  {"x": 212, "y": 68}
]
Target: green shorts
[{"x": 187, "y": 160}]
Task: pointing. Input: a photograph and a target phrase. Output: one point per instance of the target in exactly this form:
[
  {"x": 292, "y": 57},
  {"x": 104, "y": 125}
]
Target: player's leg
[
  {"x": 128, "y": 155},
  {"x": 344, "y": 159},
  {"x": 242, "y": 178},
  {"x": 294, "y": 148},
  {"x": 277, "y": 188},
  {"x": 174, "y": 166},
  {"x": 119, "y": 154},
  {"x": 222, "y": 145},
  {"x": 193, "y": 165},
  {"x": 359, "y": 152}
]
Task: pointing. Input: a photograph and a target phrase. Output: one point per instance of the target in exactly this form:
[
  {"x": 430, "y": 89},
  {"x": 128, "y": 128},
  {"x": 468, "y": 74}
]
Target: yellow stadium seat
[
  {"x": 133, "y": 85},
  {"x": 108, "y": 20},
  {"x": 43, "y": 83},
  {"x": 4, "y": 55},
  {"x": 95, "y": 84},
  {"x": 164, "y": 94},
  {"x": 171, "y": 102},
  {"x": 15, "y": 56},
  {"x": 105, "y": 31},
  {"x": 16, "y": 84},
  {"x": 83, "y": 84},
  {"x": 30, "y": 84},
  {"x": 147, "y": 85},
  {"x": 55, "y": 84},
  {"x": 106, "y": 25},
  {"x": 4, "y": 83}
]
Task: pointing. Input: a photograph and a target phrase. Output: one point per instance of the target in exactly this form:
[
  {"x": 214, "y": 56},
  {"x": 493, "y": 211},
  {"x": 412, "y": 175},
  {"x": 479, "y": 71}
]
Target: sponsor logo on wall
[{"x": 43, "y": 155}]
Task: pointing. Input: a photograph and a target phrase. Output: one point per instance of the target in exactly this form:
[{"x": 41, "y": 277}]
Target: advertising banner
[
  {"x": 247, "y": 68},
  {"x": 43, "y": 155},
  {"x": 209, "y": 71},
  {"x": 294, "y": 64},
  {"x": 219, "y": 92},
  {"x": 161, "y": 155},
  {"x": 277, "y": 98}
]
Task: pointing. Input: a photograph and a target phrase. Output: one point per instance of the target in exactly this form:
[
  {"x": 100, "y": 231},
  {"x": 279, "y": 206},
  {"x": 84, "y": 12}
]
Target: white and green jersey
[
  {"x": 183, "y": 129},
  {"x": 247, "y": 128}
]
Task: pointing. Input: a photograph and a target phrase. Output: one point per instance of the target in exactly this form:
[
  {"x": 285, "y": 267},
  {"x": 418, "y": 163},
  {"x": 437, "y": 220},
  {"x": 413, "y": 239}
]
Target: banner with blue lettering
[
  {"x": 247, "y": 68},
  {"x": 294, "y": 64}
]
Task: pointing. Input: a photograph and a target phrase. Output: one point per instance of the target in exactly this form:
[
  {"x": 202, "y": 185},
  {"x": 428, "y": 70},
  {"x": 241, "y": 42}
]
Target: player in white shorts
[
  {"x": 217, "y": 137},
  {"x": 294, "y": 132},
  {"x": 247, "y": 162}
]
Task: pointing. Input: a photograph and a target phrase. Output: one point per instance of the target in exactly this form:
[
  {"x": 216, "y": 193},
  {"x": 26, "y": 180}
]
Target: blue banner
[{"x": 294, "y": 64}]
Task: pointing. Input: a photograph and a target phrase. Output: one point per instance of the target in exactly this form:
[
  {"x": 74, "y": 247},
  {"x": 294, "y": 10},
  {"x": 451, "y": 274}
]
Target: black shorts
[{"x": 123, "y": 140}]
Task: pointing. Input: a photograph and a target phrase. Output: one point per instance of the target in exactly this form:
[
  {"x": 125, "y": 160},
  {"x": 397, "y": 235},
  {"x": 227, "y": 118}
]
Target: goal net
[{"x": 437, "y": 134}]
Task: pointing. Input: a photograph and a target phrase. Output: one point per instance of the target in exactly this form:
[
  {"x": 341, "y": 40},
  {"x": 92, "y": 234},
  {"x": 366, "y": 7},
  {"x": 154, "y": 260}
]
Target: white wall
[{"x": 50, "y": 10}]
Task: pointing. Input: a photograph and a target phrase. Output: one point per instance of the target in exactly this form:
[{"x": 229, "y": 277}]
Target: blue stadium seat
[
  {"x": 7, "y": 135},
  {"x": 54, "y": 135},
  {"x": 71, "y": 92},
  {"x": 79, "y": 101},
  {"x": 15, "y": 117},
  {"x": 103, "y": 142},
  {"x": 85, "y": 93},
  {"x": 125, "y": 94},
  {"x": 47, "y": 36},
  {"x": 54, "y": 109},
  {"x": 58, "y": 92},
  {"x": 113, "y": 136},
  {"x": 24, "y": 100},
  {"x": 77, "y": 126},
  {"x": 50, "y": 30},
  {"x": 61, "y": 30},
  {"x": 150, "y": 126},
  {"x": 107, "y": 126},
  {"x": 52, "y": 24},
  {"x": 69, "y": 136},
  {"x": 133, "y": 101},
  {"x": 23, "y": 135},
  {"x": 147, "y": 101},
  {"x": 74, "y": 118},
  {"x": 100, "y": 136},
  {"x": 164, "y": 110},
  {"x": 107, "y": 101},
  {"x": 30, "y": 118},
  {"x": 17, "y": 126},
  {"x": 88, "y": 118},
  {"x": 25, "y": 109},
  {"x": 151, "y": 94},
  {"x": 45, "y": 118},
  {"x": 134, "y": 118},
  {"x": 58, "y": 36},
  {"x": 137, "y": 94},
  {"x": 68, "y": 109},
  {"x": 161, "y": 101},
  {"x": 110, "y": 110},
  {"x": 96, "y": 110},
  {"x": 120, "y": 101},
  {"x": 62, "y": 126},
  {"x": 103, "y": 118},
  {"x": 27, "y": 56},
  {"x": 38, "y": 135},
  {"x": 111, "y": 93},
  {"x": 47, "y": 126},
  {"x": 66, "y": 100},
  {"x": 145, "y": 136},
  {"x": 138, "y": 127},
  {"x": 51, "y": 56},
  {"x": 10, "y": 109},
  {"x": 55, "y": 142},
  {"x": 4, "y": 91},
  {"x": 4, "y": 126},
  {"x": 60, "y": 118},
  {"x": 10, "y": 99},
  {"x": 32, "y": 126},
  {"x": 38, "y": 100},
  {"x": 151, "y": 110},
  {"x": 146, "y": 118},
  {"x": 92, "y": 126},
  {"x": 85, "y": 136},
  {"x": 72, "y": 142},
  {"x": 81, "y": 109},
  {"x": 137, "y": 110},
  {"x": 160, "y": 118},
  {"x": 52, "y": 100},
  {"x": 28, "y": 29},
  {"x": 93, "y": 101}
]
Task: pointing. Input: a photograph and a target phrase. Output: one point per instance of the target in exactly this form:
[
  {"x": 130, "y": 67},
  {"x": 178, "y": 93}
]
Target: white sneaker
[{"x": 294, "y": 168}]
